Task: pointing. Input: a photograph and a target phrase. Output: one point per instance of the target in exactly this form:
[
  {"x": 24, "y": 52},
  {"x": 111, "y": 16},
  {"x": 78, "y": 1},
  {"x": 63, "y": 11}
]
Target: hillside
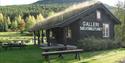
[
  {"x": 59, "y": 1},
  {"x": 41, "y": 6}
]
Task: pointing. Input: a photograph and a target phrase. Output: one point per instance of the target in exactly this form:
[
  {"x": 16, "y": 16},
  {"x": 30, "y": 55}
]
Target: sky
[{"x": 18, "y": 2}]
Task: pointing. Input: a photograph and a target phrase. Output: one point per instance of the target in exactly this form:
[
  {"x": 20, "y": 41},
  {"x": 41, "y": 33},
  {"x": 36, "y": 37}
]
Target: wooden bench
[
  {"x": 46, "y": 49},
  {"x": 58, "y": 47},
  {"x": 60, "y": 53},
  {"x": 10, "y": 45}
]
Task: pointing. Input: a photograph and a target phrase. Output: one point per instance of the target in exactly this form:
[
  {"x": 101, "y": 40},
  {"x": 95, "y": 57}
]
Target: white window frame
[
  {"x": 106, "y": 30},
  {"x": 69, "y": 32},
  {"x": 51, "y": 34},
  {"x": 98, "y": 14}
]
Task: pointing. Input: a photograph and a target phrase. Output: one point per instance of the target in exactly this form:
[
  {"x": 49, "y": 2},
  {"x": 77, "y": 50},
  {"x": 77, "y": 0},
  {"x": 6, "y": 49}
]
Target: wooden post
[
  {"x": 42, "y": 35},
  {"x": 38, "y": 38},
  {"x": 48, "y": 37},
  {"x": 34, "y": 38},
  {"x": 64, "y": 36}
]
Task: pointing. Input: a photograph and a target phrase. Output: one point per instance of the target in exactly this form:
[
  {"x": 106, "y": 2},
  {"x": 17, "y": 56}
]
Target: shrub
[
  {"x": 91, "y": 44},
  {"x": 123, "y": 44}
]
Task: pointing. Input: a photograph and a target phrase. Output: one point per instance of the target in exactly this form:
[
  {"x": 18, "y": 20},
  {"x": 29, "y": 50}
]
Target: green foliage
[
  {"x": 21, "y": 26},
  {"x": 39, "y": 18},
  {"x": 18, "y": 18},
  {"x": 51, "y": 13},
  {"x": 24, "y": 10},
  {"x": 98, "y": 44},
  {"x": 6, "y": 26},
  {"x": 120, "y": 13},
  {"x": 14, "y": 25},
  {"x": 8, "y": 21},
  {"x": 30, "y": 22},
  {"x": 1, "y": 18},
  {"x": 10, "y": 14}
]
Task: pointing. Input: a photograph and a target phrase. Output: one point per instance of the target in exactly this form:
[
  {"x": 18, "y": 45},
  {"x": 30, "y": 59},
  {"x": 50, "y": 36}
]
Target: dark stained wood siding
[
  {"x": 75, "y": 32},
  {"x": 104, "y": 19},
  {"x": 81, "y": 34},
  {"x": 89, "y": 18},
  {"x": 108, "y": 20}
]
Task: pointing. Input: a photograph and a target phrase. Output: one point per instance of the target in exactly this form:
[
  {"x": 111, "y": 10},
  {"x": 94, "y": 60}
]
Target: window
[
  {"x": 69, "y": 32},
  {"x": 98, "y": 14},
  {"x": 51, "y": 34},
  {"x": 105, "y": 30}
]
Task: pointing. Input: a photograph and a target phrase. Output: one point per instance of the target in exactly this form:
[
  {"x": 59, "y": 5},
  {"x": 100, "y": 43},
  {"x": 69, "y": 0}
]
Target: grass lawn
[
  {"x": 11, "y": 36},
  {"x": 33, "y": 55}
]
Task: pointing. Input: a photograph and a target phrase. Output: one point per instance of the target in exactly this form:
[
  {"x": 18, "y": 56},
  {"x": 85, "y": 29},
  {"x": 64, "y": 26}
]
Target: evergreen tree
[
  {"x": 18, "y": 18},
  {"x": 51, "y": 13},
  {"x": 30, "y": 22},
  {"x": 6, "y": 27},
  {"x": 22, "y": 26},
  {"x": 14, "y": 25},
  {"x": 2, "y": 22},
  {"x": 39, "y": 18},
  {"x": 1, "y": 18},
  {"x": 120, "y": 13},
  {"x": 8, "y": 21}
]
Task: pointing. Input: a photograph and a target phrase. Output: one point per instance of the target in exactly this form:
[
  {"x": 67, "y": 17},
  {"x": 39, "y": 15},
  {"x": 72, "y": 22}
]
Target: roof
[{"x": 70, "y": 15}]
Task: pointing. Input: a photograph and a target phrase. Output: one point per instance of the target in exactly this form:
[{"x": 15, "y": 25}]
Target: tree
[
  {"x": 40, "y": 18},
  {"x": 22, "y": 26},
  {"x": 6, "y": 26},
  {"x": 1, "y": 22},
  {"x": 1, "y": 18},
  {"x": 14, "y": 25},
  {"x": 51, "y": 13},
  {"x": 18, "y": 18},
  {"x": 120, "y": 13},
  {"x": 8, "y": 21},
  {"x": 30, "y": 22}
]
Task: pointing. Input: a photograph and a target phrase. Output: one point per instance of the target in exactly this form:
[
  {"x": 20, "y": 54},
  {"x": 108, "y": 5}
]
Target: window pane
[
  {"x": 105, "y": 30},
  {"x": 98, "y": 14}
]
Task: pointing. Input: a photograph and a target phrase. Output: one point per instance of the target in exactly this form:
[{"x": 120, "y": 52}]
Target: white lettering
[{"x": 90, "y": 26}]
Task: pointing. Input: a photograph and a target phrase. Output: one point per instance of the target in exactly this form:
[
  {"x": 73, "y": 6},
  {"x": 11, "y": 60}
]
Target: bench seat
[
  {"x": 6, "y": 46},
  {"x": 61, "y": 52},
  {"x": 76, "y": 51}
]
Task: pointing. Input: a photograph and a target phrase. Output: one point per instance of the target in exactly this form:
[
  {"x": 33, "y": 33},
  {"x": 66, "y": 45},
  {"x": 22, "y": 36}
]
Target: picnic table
[
  {"x": 60, "y": 53},
  {"x": 48, "y": 48},
  {"x": 11, "y": 45},
  {"x": 58, "y": 47}
]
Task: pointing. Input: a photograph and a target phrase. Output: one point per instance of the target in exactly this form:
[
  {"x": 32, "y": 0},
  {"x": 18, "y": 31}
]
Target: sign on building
[{"x": 90, "y": 26}]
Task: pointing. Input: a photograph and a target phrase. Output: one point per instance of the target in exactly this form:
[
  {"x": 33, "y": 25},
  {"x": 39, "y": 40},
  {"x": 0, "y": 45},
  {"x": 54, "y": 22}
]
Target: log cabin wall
[
  {"x": 90, "y": 18},
  {"x": 58, "y": 34},
  {"x": 75, "y": 32},
  {"x": 93, "y": 18},
  {"x": 109, "y": 20}
]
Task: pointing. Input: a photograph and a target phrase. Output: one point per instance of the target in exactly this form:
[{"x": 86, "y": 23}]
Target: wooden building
[{"x": 77, "y": 22}]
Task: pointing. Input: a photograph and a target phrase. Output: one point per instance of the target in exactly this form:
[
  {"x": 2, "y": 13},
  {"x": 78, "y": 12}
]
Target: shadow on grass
[
  {"x": 32, "y": 54},
  {"x": 85, "y": 56}
]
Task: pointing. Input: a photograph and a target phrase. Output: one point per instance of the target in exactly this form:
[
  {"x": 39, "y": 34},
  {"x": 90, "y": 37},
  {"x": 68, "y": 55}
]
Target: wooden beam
[
  {"x": 48, "y": 37},
  {"x": 42, "y": 35},
  {"x": 38, "y": 38},
  {"x": 34, "y": 37},
  {"x": 64, "y": 36}
]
